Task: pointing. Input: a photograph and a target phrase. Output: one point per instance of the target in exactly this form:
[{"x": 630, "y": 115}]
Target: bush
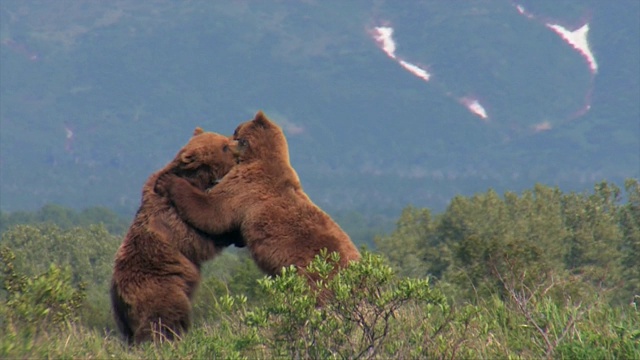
[
  {"x": 86, "y": 254},
  {"x": 363, "y": 317},
  {"x": 35, "y": 304}
]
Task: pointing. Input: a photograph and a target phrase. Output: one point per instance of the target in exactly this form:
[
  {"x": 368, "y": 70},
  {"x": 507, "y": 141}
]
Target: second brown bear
[{"x": 157, "y": 267}]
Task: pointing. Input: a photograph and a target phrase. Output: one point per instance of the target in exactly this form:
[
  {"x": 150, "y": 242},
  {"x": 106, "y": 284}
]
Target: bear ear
[
  {"x": 198, "y": 131},
  {"x": 261, "y": 119},
  {"x": 188, "y": 159}
]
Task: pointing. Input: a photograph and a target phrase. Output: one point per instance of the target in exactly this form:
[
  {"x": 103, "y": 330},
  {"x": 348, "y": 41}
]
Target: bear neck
[{"x": 280, "y": 172}]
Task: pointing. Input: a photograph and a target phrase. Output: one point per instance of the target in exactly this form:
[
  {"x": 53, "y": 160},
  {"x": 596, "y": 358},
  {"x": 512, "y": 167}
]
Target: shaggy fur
[{"x": 157, "y": 267}]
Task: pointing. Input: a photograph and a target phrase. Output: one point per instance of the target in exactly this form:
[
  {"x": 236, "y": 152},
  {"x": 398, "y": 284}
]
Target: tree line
[{"x": 539, "y": 274}]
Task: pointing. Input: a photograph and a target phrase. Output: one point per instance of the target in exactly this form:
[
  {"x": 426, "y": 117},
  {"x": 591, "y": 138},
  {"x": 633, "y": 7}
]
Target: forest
[{"x": 536, "y": 274}]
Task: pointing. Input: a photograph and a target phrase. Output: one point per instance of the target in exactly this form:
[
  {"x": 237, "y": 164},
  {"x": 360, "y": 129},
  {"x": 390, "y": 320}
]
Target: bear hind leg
[{"x": 167, "y": 322}]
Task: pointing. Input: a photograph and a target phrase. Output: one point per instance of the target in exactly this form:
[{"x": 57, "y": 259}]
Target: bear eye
[
  {"x": 243, "y": 142},
  {"x": 225, "y": 148}
]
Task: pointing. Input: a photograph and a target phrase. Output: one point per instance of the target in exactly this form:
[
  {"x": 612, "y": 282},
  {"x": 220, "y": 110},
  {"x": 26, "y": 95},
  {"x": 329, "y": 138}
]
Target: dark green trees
[{"x": 541, "y": 235}]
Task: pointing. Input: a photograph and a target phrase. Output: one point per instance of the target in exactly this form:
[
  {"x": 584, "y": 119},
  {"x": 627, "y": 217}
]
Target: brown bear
[
  {"x": 157, "y": 267},
  {"x": 263, "y": 198}
]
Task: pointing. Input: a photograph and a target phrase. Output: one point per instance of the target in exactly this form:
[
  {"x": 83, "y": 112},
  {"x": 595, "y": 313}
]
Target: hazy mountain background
[{"x": 97, "y": 95}]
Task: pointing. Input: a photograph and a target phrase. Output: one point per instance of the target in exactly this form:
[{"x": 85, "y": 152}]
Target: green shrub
[
  {"x": 361, "y": 318},
  {"x": 87, "y": 253},
  {"x": 37, "y": 303}
]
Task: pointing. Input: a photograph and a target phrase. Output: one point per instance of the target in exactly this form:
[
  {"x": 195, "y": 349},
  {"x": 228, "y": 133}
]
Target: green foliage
[
  {"x": 540, "y": 274},
  {"x": 538, "y": 237},
  {"x": 37, "y": 303},
  {"x": 87, "y": 253},
  {"x": 630, "y": 228},
  {"x": 514, "y": 236},
  {"x": 605, "y": 333},
  {"x": 595, "y": 238},
  {"x": 232, "y": 272},
  {"x": 413, "y": 248},
  {"x": 65, "y": 218},
  {"x": 363, "y": 313}
]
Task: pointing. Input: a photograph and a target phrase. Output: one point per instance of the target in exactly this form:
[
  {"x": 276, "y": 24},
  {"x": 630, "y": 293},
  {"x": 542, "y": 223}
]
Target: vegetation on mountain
[{"x": 364, "y": 134}]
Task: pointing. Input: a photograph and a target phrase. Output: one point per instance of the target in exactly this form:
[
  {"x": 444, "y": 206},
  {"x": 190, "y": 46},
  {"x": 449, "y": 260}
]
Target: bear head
[
  {"x": 205, "y": 159},
  {"x": 259, "y": 139}
]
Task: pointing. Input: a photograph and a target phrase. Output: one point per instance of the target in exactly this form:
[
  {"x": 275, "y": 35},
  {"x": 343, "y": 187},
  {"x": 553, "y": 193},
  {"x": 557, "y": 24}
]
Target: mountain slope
[{"x": 96, "y": 96}]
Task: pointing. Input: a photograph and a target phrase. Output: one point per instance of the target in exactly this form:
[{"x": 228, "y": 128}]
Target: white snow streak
[
  {"x": 578, "y": 39},
  {"x": 383, "y": 35},
  {"x": 523, "y": 11},
  {"x": 475, "y": 107},
  {"x": 416, "y": 70}
]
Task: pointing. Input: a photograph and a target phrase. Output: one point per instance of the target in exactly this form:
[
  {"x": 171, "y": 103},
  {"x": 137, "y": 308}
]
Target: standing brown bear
[
  {"x": 157, "y": 267},
  {"x": 263, "y": 198}
]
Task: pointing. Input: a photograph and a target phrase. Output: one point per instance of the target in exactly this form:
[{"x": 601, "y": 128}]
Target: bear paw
[{"x": 165, "y": 183}]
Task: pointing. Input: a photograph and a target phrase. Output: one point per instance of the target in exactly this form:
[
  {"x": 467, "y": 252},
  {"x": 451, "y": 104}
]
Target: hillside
[{"x": 95, "y": 95}]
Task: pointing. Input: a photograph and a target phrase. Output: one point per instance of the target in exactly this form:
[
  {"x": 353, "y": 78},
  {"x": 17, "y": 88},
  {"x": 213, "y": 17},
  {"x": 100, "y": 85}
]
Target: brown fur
[
  {"x": 263, "y": 198},
  {"x": 157, "y": 268}
]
